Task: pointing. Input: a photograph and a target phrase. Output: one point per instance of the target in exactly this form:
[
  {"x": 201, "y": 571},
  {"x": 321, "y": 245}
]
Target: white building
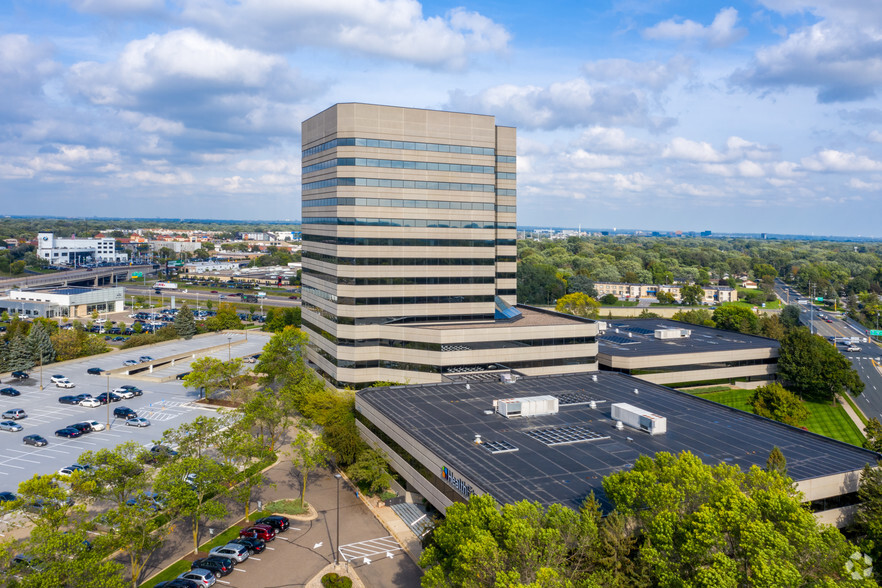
[
  {"x": 73, "y": 251},
  {"x": 60, "y": 302}
]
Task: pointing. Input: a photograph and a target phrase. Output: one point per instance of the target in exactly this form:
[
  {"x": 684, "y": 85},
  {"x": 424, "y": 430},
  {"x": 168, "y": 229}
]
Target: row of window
[
  {"x": 503, "y": 258},
  {"x": 390, "y": 300},
  {"x": 430, "y": 223},
  {"x": 398, "y": 281},
  {"x": 333, "y": 259},
  {"x": 398, "y": 164},
  {"x": 506, "y": 292},
  {"x": 405, "y": 184},
  {"x": 506, "y": 176},
  {"x": 407, "y": 145},
  {"x": 396, "y": 320},
  {"x": 401, "y": 203},
  {"x": 506, "y": 159},
  {"x": 695, "y": 366},
  {"x": 387, "y": 242},
  {"x": 470, "y": 346},
  {"x": 506, "y": 275}
]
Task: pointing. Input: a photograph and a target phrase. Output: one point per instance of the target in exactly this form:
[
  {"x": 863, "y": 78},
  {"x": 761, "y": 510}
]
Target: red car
[{"x": 264, "y": 532}]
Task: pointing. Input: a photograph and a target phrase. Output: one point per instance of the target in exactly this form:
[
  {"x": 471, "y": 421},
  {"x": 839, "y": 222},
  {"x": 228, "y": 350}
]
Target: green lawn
[
  {"x": 620, "y": 303},
  {"x": 825, "y": 419},
  {"x": 772, "y": 304}
]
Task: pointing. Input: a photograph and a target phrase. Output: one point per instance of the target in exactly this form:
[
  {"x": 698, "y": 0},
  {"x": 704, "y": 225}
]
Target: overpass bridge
[{"x": 98, "y": 276}]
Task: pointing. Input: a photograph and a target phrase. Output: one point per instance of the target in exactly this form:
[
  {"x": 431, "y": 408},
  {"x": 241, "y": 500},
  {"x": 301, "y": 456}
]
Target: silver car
[
  {"x": 234, "y": 551},
  {"x": 201, "y": 576},
  {"x": 10, "y": 426}
]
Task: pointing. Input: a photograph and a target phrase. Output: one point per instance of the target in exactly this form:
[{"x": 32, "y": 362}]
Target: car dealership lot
[{"x": 165, "y": 404}]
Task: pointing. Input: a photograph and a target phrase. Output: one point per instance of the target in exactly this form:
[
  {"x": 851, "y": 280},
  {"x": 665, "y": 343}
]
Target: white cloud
[
  {"x": 861, "y": 185},
  {"x": 611, "y": 139},
  {"x": 119, "y": 7},
  {"x": 587, "y": 160},
  {"x": 393, "y": 29},
  {"x": 830, "y": 160},
  {"x": 699, "y": 151},
  {"x": 720, "y": 33},
  {"x": 649, "y": 74}
]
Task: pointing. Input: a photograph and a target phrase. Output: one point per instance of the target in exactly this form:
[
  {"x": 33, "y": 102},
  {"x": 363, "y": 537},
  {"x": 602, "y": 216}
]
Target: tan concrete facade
[
  {"x": 409, "y": 221},
  {"x": 712, "y": 294}
]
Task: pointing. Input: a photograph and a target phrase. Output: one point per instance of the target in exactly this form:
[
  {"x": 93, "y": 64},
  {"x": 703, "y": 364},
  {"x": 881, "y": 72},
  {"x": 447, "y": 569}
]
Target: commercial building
[
  {"x": 76, "y": 252},
  {"x": 674, "y": 353},
  {"x": 63, "y": 302},
  {"x": 409, "y": 251},
  {"x": 552, "y": 439},
  {"x": 712, "y": 294}
]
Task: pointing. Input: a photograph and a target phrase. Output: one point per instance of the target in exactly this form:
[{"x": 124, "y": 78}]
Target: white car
[
  {"x": 96, "y": 426},
  {"x": 65, "y": 383},
  {"x": 57, "y": 378},
  {"x": 124, "y": 392},
  {"x": 90, "y": 403}
]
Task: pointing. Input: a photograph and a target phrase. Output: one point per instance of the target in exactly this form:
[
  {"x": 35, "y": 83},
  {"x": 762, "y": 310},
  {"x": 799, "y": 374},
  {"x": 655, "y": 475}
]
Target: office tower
[{"x": 409, "y": 250}]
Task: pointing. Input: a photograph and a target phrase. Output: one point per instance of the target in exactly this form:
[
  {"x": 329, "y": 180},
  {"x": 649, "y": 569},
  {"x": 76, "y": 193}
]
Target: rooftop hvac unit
[
  {"x": 639, "y": 418},
  {"x": 672, "y": 333},
  {"x": 527, "y": 406}
]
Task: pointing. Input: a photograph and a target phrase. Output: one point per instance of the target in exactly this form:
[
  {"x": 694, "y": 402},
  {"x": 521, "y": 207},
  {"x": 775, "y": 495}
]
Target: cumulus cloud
[
  {"x": 119, "y": 7},
  {"x": 840, "y": 56},
  {"x": 574, "y": 103},
  {"x": 25, "y": 66},
  {"x": 611, "y": 140},
  {"x": 830, "y": 160},
  {"x": 395, "y": 29},
  {"x": 722, "y": 32},
  {"x": 703, "y": 152}
]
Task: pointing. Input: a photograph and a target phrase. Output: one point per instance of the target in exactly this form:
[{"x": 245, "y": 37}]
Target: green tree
[
  {"x": 578, "y": 304},
  {"x": 40, "y": 345},
  {"x": 189, "y": 485},
  {"x": 736, "y": 318},
  {"x": 19, "y": 357},
  {"x": 814, "y": 369},
  {"x": 873, "y": 432},
  {"x": 225, "y": 319},
  {"x": 715, "y": 525},
  {"x": 265, "y": 412},
  {"x": 114, "y": 474},
  {"x": 691, "y": 294},
  {"x": 776, "y": 462},
  {"x": 371, "y": 470},
  {"x": 195, "y": 438},
  {"x": 310, "y": 454},
  {"x": 16, "y": 268},
  {"x": 583, "y": 284},
  {"x": 538, "y": 283},
  {"x": 698, "y": 316},
  {"x": 790, "y": 316},
  {"x": 868, "y": 516},
  {"x": 211, "y": 375},
  {"x": 185, "y": 324},
  {"x": 665, "y": 297},
  {"x": 775, "y": 402},
  {"x": 609, "y": 299},
  {"x": 281, "y": 362}
]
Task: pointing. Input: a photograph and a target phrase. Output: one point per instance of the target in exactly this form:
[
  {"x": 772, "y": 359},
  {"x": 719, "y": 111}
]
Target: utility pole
[{"x": 812, "y": 308}]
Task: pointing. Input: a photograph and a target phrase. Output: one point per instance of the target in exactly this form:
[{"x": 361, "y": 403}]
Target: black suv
[
  {"x": 20, "y": 375},
  {"x": 279, "y": 523},
  {"x": 221, "y": 566},
  {"x": 83, "y": 428},
  {"x": 94, "y": 371},
  {"x": 254, "y": 545},
  {"x": 124, "y": 412}
]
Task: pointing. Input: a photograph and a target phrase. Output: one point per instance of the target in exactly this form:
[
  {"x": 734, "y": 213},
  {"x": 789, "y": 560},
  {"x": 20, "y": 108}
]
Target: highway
[
  {"x": 828, "y": 324},
  {"x": 73, "y": 276}
]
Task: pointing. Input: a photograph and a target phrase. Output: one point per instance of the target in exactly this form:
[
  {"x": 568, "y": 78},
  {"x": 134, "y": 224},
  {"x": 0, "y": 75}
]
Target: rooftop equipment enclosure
[
  {"x": 527, "y": 406},
  {"x": 639, "y": 418}
]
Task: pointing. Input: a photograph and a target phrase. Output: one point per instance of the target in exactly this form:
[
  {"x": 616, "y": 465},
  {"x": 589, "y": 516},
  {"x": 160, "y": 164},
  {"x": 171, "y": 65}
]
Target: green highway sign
[
  {"x": 876, "y": 333},
  {"x": 819, "y": 299}
]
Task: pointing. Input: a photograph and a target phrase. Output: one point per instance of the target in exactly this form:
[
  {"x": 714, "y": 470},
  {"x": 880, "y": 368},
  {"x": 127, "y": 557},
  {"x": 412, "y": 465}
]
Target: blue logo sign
[{"x": 456, "y": 483}]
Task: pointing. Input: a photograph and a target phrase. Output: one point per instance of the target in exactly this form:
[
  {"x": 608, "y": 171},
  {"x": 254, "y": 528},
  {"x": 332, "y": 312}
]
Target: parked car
[
  {"x": 260, "y": 532},
  {"x": 102, "y": 398},
  {"x": 9, "y": 392},
  {"x": 160, "y": 452},
  {"x": 133, "y": 389},
  {"x": 149, "y": 500},
  {"x": 35, "y": 440},
  {"x": 20, "y": 375},
  {"x": 853, "y": 348},
  {"x": 237, "y": 553},
  {"x": 83, "y": 428},
  {"x": 277, "y": 522},
  {"x": 123, "y": 393},
  {"x": 69, "y": 470},
  {"x": 11, "y": 426},
  {"x": 145, "y": 359},
  {"x": 182, "y": 375},
  {"x": 68, "y": 433},
  {"x": 138, "y": 422},
  {"x": 56, "y": 378},
  {"x": 202, "y": 577},
  {"x": 94, "y": 371},
  {"x": 254, "y": 545},
  {"x": 65, "y": 383},
  {"x": 217, "y": 564},
  {"x": 7, "y": 497},
  {"x": 81, "y": 397},
  {"x": 90, "y": 402},
  {"x": 96, "y": 426},
  {"x": 14, "y": 414},
  {"x": 130, "y": 362},
  {"x": 177, "y": 583},
  {"x": 68, "y": 400},
  {"x": 124, "y": 412}
]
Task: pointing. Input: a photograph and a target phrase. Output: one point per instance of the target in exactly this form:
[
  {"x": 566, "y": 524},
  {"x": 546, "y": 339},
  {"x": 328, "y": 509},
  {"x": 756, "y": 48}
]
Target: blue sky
[{"x": 758, "y": 116}]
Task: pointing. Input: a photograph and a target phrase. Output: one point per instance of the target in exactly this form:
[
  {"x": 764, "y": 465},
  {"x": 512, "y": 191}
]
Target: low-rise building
[
  {"x": 74, "y": 251},
  {"x": 712, "y": 294},
  {"x": 63, "y": 302}
]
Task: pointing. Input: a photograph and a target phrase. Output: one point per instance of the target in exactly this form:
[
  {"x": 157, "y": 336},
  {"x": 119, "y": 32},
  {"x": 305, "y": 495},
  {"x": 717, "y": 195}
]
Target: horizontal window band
[
  {"x": 398, "y": 164},
  {"x": 404, "y": 184},
  {"x": 405, "y": 145}
]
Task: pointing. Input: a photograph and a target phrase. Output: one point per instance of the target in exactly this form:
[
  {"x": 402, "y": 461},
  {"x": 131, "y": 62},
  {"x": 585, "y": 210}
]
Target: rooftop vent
[
  {"x": 639, "y": 418},
  {"x": 594, "y": 378},
  {"x": 528, "y": 406},
  {"x": 477, "y": 439},
  {"x": 672, "y": 333}
]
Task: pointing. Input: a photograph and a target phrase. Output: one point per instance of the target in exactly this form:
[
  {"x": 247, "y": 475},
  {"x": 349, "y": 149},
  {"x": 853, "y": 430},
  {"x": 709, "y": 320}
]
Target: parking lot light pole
[
  {"x": 108, "y": 400},
  {"x": 41, "y": 369},
  {"x": 337, "y": 544},
  {"x": 229, "y": 347}
]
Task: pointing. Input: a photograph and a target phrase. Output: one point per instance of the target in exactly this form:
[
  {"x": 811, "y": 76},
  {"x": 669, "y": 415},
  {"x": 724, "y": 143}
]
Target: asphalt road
[
  {"x": 201, "y": 296},
  {"x": 828, "y": 324}
]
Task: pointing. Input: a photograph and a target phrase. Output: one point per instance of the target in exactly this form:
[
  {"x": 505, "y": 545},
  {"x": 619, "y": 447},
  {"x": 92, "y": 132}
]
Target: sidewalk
[{"x": 852, "y": 415}]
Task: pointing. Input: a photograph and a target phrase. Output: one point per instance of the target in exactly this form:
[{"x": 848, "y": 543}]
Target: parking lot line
[{"x": 369, "y": 548}]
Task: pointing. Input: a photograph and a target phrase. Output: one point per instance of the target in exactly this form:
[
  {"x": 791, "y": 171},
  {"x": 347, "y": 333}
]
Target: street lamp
[
  {"x": 337, "y": 544},
  {"x": 229, "y": 347}
]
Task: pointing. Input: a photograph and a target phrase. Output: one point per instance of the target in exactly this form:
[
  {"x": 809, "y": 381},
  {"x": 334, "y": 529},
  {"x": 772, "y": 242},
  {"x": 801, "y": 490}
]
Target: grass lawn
[
  {"x": 772, "y": 304},
  {"x": 828, "y": 420}
]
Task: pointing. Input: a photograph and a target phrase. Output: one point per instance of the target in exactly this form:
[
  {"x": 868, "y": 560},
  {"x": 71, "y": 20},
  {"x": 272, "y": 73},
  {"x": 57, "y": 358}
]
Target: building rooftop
[
  {"x": 635, "y": 337},
  {"x": 530, "y": 317},
  {"x": 69, "y": 291},
  {"x": 445, "y": 418}
]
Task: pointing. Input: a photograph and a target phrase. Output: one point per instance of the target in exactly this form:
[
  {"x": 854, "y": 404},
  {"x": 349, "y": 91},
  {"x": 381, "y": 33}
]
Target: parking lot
[{"x": 165, "y": 403}]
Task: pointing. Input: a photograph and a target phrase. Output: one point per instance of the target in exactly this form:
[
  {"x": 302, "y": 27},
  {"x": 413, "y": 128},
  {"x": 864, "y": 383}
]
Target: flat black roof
[
  {"x": 70, "y": 291},
  {"x": 637, "y": 337},
  {"x": 444, "y": 418}
]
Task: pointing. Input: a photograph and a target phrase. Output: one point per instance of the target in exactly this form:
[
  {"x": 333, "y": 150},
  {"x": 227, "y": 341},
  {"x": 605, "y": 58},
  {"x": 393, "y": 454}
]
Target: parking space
[{"x": 165, "y": 404}]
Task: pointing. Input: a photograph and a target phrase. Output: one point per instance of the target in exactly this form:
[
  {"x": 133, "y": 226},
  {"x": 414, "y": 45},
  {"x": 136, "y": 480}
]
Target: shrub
[{"x": 332, "y": 580}]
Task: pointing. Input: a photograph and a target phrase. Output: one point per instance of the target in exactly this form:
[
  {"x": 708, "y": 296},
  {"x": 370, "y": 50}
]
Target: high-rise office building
[{"x": 409, "y": 251}]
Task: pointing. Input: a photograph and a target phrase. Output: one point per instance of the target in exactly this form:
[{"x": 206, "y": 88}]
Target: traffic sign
[
  {"x": 819, "y": 299},
  {"x": 874, "y": 333}
]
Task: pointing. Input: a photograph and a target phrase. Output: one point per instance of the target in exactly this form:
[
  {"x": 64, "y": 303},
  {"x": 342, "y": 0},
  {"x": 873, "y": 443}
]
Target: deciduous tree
[
  {"x": 578, "y": 304},
  {"x": 310, "y": 453},
  {"x": 775, "y": 402},
  {"x": 814, "y": 369}
]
